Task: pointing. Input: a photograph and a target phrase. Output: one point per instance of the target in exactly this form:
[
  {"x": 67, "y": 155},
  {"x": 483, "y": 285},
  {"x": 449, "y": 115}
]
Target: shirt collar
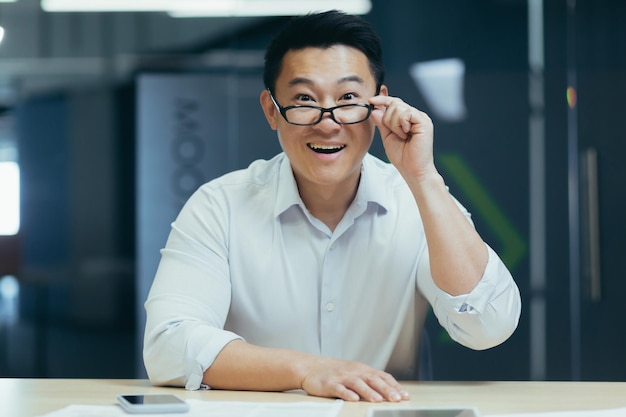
[
  {"x": 287, "y": 194},
  {"x": 372, "y": 187}
]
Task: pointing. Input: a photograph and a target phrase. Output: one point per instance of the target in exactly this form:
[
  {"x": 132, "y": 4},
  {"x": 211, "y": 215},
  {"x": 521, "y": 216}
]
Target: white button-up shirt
[{"x": 245, "y": 259}]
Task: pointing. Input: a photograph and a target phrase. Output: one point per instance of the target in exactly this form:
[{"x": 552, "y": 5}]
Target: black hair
[{"x": 323, "y": 30}]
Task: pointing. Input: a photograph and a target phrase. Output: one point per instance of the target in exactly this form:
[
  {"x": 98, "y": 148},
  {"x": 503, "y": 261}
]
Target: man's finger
[{"x": 365, "y": 390}]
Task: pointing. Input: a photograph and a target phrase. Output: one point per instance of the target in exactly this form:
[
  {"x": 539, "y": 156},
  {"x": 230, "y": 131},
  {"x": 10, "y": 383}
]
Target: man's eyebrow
[
  {"x": 307, "y": 81},
  {"x": 300, "y": 80},
  {"x": 351, "y": 78}
]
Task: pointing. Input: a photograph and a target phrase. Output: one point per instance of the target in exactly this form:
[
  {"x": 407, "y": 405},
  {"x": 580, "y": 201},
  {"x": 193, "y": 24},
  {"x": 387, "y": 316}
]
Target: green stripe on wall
[{"x": 512, "y": 246}]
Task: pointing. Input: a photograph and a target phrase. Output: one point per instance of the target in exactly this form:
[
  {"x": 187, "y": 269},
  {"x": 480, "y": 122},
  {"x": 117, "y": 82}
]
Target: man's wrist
[{"x": 426, "y": 182}]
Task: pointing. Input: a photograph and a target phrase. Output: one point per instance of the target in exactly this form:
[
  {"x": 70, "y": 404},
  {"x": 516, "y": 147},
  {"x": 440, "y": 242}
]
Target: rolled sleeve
[
  {"x": 178, "y": 350},
  {"x": 189, "y": 298},
  {"x": 202, "y": 349},
  {"x": 483, "y": 318}
]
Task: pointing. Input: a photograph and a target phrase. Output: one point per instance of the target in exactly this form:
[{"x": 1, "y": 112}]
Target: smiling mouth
[{"x": 325, "y": 148}]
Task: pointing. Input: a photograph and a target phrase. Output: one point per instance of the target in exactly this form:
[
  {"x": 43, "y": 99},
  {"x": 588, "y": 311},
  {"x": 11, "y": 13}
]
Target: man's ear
[
  {"x": 269, "y": 109},
  {"x": 383, "y": 90}
]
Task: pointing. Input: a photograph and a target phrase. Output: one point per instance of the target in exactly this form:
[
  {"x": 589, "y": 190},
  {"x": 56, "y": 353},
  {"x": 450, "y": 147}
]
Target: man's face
[{"x": 326, "y": 153}]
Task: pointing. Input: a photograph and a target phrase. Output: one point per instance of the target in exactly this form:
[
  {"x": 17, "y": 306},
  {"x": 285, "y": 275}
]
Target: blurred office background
[{"x": 109, "y": 120}]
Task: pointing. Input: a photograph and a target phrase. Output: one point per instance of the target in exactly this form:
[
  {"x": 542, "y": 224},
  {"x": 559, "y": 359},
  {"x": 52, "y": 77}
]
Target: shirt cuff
[
  {"x": 202, "y": 349},
  {"x": 473, "y": 302},
  {"x": 476, "y": 301}
]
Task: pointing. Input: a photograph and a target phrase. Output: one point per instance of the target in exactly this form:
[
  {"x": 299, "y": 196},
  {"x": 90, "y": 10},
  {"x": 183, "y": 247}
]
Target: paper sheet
[
  {"x": 614, "y": 412},
  {"x": 200, "y": 408}
]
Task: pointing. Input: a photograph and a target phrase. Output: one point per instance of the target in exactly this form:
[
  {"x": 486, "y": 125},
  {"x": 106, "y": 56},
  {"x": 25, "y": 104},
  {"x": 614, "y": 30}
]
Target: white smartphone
[
  {"x": 152, "y": 404},
  {"x": 423, "y": 412}
]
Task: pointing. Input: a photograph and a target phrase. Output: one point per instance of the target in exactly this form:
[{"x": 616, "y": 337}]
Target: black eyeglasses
[{"x": 346, "y": 114}]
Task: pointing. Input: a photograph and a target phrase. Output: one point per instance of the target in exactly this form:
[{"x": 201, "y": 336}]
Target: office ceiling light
[
  {"x": 269, "y": 8},
  {"x": 215, "y": 8},
  {"x": 115, "y": 5}
]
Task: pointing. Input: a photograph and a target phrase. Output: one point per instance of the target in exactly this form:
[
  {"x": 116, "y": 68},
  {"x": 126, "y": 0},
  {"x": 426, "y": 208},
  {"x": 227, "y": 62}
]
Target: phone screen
[
  {"x": 152, "y": 403},
  {"x": 152, "y": 399},
  {"x": 408, "y": 412}
]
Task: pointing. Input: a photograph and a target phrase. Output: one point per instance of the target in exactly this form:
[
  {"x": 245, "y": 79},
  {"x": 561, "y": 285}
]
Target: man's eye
[
  {"x": 348, "y": 96},
  {"x": 303, "y": 97}
]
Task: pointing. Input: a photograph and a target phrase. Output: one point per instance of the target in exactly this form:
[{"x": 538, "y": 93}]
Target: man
[{"x": 314, "y": 270}]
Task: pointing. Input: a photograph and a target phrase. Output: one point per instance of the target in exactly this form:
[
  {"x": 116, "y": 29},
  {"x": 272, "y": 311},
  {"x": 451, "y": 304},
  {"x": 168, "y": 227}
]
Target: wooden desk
[{"x": 33, "y": 397}]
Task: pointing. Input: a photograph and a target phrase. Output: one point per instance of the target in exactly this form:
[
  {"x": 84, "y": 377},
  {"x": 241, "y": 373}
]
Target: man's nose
[{"x": 328, "y": 122}]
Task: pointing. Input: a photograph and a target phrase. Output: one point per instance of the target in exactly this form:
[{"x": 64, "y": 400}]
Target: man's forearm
[
  {"x": 242, "y": 366},
  {"x": 458, "y": 255}
]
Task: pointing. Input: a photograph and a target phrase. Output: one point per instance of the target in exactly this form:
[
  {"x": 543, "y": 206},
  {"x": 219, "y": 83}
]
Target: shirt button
[{"x": 330, "y": 306}]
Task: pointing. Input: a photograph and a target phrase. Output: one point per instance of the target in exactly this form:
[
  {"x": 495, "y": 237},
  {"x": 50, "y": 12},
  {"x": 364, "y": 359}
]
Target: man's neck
[{"x": 328, "y": 203}]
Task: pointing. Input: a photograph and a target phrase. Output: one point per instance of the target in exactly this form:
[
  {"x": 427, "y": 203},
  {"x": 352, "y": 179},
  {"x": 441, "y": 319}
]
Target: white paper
[
  {"x": 614, "y": 412},
  {"x": 200, "y": 408}
]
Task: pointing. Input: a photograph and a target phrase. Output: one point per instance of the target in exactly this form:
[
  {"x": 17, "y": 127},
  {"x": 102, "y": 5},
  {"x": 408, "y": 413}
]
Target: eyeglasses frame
[{"x": 283, "y": 111}]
